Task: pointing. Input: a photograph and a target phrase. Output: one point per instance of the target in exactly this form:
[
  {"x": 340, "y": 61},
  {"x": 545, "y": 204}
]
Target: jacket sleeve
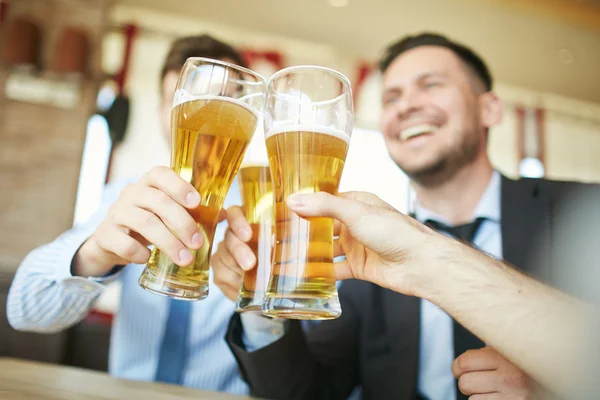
[{"x": 321, "y": 364}]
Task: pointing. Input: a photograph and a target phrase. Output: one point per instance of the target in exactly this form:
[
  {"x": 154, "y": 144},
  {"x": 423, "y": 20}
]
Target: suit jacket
[{"x": 375, "y": 342}]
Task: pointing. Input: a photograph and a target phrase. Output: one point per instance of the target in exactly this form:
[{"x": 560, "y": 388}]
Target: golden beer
[
  {"x": 302, "y": 284},
  {"x": 257, "y": 203},
  {"x": 209, "y": 137}
]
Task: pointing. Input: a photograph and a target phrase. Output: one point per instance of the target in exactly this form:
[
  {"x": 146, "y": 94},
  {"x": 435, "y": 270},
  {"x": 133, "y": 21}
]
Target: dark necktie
[
  {"x": 173, "y": 354},
  {"x": 463, "y": 339}
]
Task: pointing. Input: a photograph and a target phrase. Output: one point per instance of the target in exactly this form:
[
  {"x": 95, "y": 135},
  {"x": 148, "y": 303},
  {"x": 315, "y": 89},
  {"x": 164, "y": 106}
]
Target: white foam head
[
  {"x": 183, "y": 96},
  {"x": 309, "y": 128}
]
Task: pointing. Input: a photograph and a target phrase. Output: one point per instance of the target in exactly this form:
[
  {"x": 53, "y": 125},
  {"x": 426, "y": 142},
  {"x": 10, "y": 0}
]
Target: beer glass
[
  {"x": 308, "y": 122},
  {"x": 257, "y": 203},
  {"x": 215, "y": 111}
]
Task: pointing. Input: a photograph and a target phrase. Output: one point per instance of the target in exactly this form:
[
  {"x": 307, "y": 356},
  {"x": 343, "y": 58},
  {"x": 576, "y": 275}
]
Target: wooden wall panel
[{"x": 41, "y": 146}]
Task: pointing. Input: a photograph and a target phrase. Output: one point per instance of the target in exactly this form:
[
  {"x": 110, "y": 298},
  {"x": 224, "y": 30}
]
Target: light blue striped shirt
[{"x": 45, "y": 297}]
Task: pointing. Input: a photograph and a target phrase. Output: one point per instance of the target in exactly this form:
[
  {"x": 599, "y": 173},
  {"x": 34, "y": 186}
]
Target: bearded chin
[
  {"x": 430, "y": 175},
  {"x": 443, "y": 168}
]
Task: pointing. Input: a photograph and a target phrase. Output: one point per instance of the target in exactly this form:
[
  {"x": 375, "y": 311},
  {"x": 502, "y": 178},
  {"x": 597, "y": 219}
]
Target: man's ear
[{"x": 491, "y": 109}]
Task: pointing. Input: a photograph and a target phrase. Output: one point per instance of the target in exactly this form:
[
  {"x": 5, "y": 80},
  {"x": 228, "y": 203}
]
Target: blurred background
[{"x": 79, "y": 98}]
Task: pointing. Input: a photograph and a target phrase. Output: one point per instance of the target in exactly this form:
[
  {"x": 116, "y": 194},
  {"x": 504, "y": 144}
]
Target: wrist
[
  {"x": 430, "y": 260},
  {"x": 91, "y": 261}
]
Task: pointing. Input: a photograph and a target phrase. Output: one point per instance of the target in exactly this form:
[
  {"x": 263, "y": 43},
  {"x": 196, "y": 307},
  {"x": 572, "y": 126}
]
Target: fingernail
[
  {"x": 296, "y": 200},
  {"x": 248, "y": 262},
  {"x": 192, "y": 198},
  {"x": 197, "y": 239},
  {"x": 185, "y": 256}
]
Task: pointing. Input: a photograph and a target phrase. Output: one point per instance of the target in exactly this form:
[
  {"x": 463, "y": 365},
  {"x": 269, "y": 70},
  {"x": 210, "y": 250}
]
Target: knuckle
[
  {"x": 127, "y": 191},
  {"x": 159, "y": 198},
  {"x": 141, "y": 257},
  {"x": 147, "y": 219},
  {"x": 130, "y": 250},
  {"x": 218, "y": 279},
  {"x": 517, "y": 381},
  {"x": 234, "y": 214},
  {"x": 157, "y": 171},
  {"x": 321, "y": 196},
  {"x": 230, "y": 241}
]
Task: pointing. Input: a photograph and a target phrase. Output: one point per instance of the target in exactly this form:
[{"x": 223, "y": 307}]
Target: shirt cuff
[
  {"x": 260, "y": 331},
  {"x": 90, "y": 287}
]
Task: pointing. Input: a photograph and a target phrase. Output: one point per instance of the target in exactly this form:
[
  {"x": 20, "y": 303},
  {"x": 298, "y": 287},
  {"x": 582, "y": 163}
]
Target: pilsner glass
[
  {"x": 257, "y": 203},
  {"x": 216, "y": 108},
  {"x": 308, "y": 122}
]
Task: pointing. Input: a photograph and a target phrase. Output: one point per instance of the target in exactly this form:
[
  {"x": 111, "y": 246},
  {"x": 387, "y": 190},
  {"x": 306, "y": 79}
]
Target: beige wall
[{"x": 571, "y": 125}]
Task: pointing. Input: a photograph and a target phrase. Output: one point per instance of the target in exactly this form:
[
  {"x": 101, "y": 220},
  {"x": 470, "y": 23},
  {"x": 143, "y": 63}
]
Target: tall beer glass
[
  {"x": 257, "y": 203},
  {"x": 308, "y": 122},
  {"x": 215, "y": 112}
]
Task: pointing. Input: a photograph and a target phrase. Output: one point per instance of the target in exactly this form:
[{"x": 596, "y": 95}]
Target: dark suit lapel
[
  {"x": 525, "y": 222},
  {"x": 402, "y": 321}
]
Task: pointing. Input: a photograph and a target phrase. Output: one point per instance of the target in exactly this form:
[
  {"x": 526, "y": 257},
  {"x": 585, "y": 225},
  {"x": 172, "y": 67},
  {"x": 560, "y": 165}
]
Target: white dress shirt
[{"x": 436, "y": 346}]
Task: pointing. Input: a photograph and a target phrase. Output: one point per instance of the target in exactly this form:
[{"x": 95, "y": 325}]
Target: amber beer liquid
[
  {"x": 257, "y": 203},
  {"x": 209, "y": 137},
  {"x": 302, "y": 284}
]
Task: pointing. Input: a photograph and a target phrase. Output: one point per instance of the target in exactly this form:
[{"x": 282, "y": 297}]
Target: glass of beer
[
  {"x": 215, "y": 111},
  {"x": 257, "y": 203},
  {"x": 308, "y": 121}
]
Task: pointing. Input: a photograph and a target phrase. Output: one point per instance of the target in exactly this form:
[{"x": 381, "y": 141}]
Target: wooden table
[{"x": 27, "y": 380}]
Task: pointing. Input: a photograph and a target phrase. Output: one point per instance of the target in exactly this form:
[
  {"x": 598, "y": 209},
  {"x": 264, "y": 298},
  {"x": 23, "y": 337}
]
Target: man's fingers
[
  {"x": 323, "y": 204},
  {"x": 491, "y": 396},
  {"x": 166, "y": 180},
  {"x": 226, "y": 260},
  {"x": 337, "y": 227},
  {"x": 244, "y": 257},
  {"x": 485, "y": 359},
  {"x": 480, "y": 382},
  {"x": 228, "y": 281},
  {"x": 338, "y": 251},
  {"x": 342, "y": 270},
  {"x": 154, "y": 230},
  {"x": 174, "y": 216},
  {"x": 238, "y": 223},
  {"x": 123, "y": 246}
]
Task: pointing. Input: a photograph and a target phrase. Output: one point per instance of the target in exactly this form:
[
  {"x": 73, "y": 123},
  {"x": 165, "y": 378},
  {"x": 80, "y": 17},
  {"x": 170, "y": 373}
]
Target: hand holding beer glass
[
  {"x": 308, "y": 122},
  {"x": 216, "y": 108}
]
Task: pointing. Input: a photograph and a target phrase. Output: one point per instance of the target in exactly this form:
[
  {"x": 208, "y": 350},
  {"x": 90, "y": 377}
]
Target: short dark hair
[
  {"x": 468, "y": 56},
  {"x": 198, "y": 46}
]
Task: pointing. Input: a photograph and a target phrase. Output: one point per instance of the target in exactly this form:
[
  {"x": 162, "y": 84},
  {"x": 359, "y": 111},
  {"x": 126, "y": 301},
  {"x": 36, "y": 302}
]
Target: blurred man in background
[
  {"x": 56, "y": 285},
  {"x": 438, "y": 106}
]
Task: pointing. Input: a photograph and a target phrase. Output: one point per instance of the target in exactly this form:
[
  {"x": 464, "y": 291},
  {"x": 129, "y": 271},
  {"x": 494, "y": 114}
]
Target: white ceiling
[{"x": 522, "y": 49}]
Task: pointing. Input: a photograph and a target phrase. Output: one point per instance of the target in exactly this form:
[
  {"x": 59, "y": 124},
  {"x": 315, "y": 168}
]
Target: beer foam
[
  {"x": 181, "y": 96},
  {"x": 254, "y": 164},
  {"x": 309, "y": 128}
]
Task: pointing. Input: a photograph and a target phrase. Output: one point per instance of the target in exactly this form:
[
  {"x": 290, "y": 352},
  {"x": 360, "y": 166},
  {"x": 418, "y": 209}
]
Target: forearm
[
  {"x": 44, "y": 296},
  {"x": 544, "y": 332}
]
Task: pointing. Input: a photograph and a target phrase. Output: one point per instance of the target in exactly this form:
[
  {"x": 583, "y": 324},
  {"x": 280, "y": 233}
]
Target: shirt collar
[{"x": 488, "y": 206}]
